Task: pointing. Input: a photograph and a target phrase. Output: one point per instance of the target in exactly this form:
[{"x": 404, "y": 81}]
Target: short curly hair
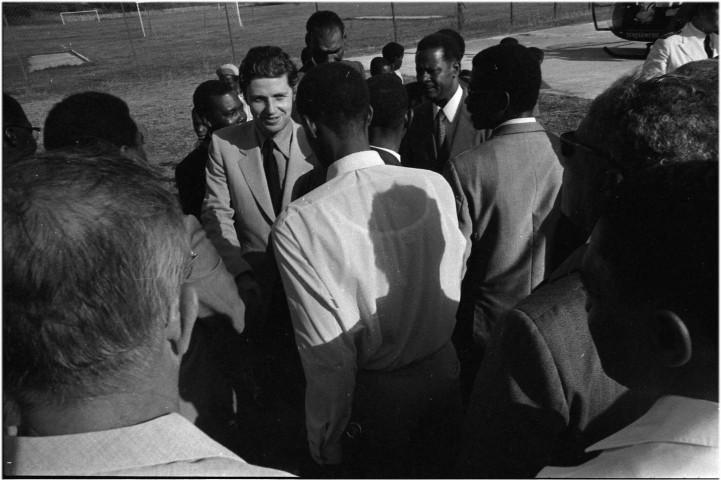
[
  {"x": 670, "y": 118},
  {"x": 267, "y": 62},
  {"x": 87, "y": 118},
  {"x": 449, "y": 45},
  {"x": 335, "y": 95},
  {"x": 513, "y": 69}
]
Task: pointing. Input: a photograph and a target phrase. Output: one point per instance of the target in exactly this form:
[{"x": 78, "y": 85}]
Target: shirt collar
[
  {"x": 282, "y": 139},
  {"x": 451, "y": 108},
  {"x": 515, "y": 121},
  {"x": 692, "y": 30},
  {"x": 395, "y": 154},
  {"x": 170, "y": 438},
  {"x": 672, "y": 419},
  {"x": 352, "y": 162}
]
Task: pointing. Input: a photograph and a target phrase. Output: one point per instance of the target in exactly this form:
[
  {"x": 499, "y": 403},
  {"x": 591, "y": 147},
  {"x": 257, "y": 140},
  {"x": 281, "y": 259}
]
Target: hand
[{"x": 249, "y": 292}]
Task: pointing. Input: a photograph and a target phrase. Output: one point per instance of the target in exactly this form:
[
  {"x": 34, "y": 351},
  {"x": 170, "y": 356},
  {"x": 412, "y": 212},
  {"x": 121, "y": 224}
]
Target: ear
[
  {"x": 307, "y": 40},
  {"x": 456, "y": 68},
  {"x": 180, "y": 325},
  {"x": 311, "y": 128},
  {"x": 407, "y": 119},
  {"x": 612, "y": 177},
  {"x": 369, "y": 115},
  {"x": 11, "y": 136},
  {"x": 671, "y": 339},
  {"x": 126, "y": 152}
]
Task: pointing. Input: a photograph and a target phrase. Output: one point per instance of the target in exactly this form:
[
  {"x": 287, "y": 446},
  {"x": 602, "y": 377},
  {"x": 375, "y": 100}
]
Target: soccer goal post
[{"x": 79, "y": 16}]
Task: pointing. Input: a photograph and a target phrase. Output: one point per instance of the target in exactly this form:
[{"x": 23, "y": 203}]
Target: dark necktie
[
  {"x": 441, "y": 145},
  {"x": 271, "y": 174},
  {"x": 707, "y": 46}
]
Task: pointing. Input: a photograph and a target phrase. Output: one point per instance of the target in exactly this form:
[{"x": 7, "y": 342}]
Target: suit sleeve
[
  {"x": 464, "y": 217},
  {"x": 327, "y": 352},
  {"x": 217, "y": 292},
  {"x": 657, "y": 59},
  {"x": 517, "y": 410},
  {"x": 218, "y": 213}
]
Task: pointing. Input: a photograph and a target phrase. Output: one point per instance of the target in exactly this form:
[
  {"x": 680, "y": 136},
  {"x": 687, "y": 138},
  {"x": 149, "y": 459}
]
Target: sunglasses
[
  {"x": 570, "y": 145},
  {"x": 36, "y": 130}
]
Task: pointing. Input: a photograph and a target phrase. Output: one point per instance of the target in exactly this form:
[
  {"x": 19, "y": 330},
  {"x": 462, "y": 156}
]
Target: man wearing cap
[{"x": 229, "y": 76}]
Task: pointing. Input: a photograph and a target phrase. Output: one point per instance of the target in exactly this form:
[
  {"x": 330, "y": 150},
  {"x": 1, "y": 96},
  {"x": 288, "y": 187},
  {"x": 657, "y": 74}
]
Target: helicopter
[{"x": 641, "y": 22}]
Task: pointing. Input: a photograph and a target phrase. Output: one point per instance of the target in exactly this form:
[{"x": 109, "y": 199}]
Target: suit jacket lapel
[
  {"x": 251, "y": 164},
  {"x": 297, "y": 166}
]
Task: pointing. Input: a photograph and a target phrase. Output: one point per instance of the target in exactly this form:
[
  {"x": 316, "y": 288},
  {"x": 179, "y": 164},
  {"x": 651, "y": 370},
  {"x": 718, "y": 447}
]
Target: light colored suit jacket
[
  {"x": 237, "y": 210},
  {"x": 506, "y": 191},
  {"x": 669, "y": 53},
  {"x": 418, "y": 148}
]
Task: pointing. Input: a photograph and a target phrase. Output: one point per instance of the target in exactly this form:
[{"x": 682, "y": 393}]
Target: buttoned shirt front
[
  {"x": 677, "y": 437},
  {"x": 451, "y": 108},
  {"x": 371, "y": 262},
  {"x": 165, "y": 446}
]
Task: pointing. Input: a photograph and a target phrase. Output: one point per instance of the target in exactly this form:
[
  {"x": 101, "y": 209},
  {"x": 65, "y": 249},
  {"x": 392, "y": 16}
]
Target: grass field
[{"x": 183, "y": 49}]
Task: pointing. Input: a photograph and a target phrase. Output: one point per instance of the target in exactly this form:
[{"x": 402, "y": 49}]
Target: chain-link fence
[{"x": 69, "y": 46}]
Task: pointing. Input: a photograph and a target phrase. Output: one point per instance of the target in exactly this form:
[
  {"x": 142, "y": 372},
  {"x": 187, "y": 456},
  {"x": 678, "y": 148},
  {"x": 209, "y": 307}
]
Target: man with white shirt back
[
  {"x": 697, "y": 40},
  {"x": 371, "y": 263},
  {"x": 441, "y": 128},
  {"x": 506, "y": 190}
]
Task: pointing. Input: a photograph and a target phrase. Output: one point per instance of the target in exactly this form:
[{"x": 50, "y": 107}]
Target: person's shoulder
[
  {"x": 205, "y": 467},
  {"x": 193, "y": 160},
  {"x": 563, "y": 297},
  {"x": 234, "y": 131}
]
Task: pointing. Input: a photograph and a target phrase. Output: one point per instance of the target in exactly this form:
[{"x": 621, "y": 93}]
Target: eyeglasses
[
  {"x": 189, "y": 266},
  {"x": 569, "y": 145},
  {"x": 35, "y": 130}
]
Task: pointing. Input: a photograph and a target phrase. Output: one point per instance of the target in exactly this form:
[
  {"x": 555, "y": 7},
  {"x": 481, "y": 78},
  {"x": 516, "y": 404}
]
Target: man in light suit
[
  {"x": 506, "y": 189},
  {"x": 441, "y": 128},
  {"x": 697, "y": 40},
  {"x": 254, "y": 169},
  {"x": 541, "y": 396}
]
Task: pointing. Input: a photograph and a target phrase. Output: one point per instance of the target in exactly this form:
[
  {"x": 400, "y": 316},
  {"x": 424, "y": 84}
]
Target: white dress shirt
[
  {"x": 676, "y": 438},
  {"x": 165, "y": 446},
  {"x": 372, "y": 263},
  {"x": 451, "y": 108}
]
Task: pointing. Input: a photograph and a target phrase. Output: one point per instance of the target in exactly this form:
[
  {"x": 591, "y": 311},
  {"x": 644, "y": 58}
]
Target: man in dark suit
[
  {"x": 541, "y": 396},
  {"x": 506, "y": 189},
  {"x": 389, "y": 102},
  {"x": 218, "y": 106},
  {"x": 325, "y": 38},
  {"x": 441, "y": 128}
]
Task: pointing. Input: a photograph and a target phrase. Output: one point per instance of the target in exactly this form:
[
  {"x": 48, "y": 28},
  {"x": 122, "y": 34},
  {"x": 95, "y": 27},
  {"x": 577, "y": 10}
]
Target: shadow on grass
[{"x": 592, "y": 51}]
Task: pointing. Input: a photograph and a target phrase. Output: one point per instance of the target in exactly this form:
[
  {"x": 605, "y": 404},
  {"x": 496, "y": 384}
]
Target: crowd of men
[{"x": 432, "y": 283}]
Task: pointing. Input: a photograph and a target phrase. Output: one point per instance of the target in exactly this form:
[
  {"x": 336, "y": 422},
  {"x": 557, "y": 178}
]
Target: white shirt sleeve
[{"x": 326, "y": 349}]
